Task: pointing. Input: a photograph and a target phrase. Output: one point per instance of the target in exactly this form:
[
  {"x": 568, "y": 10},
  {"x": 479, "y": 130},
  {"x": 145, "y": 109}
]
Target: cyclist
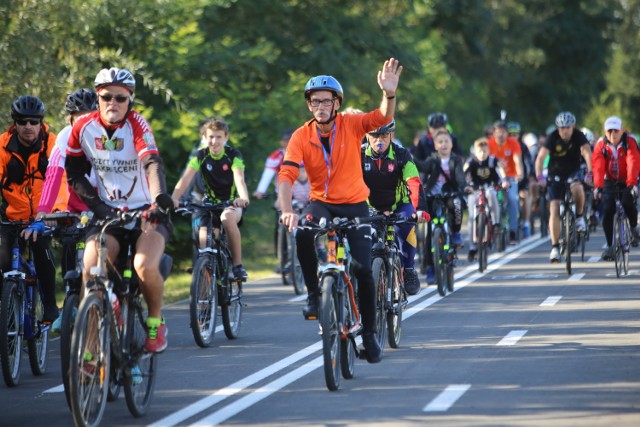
[
  {"x": 564, "y": 146},
  {"x": 507, "y": 150},
  {"x": 426, "y": 144},
  {"x": 392, "y": 177},
  {"x": 524, "y": 187},
  {"x": 222, "y": 169},
  {"x": 24, "y": 155},
  {"x": 329, "y": 145},
  {"x": 483, "y": 169},
  {"x": 444, "y": 173},
  {"x": 616, "y": 164},
  {"x": 124, "y": 157}
]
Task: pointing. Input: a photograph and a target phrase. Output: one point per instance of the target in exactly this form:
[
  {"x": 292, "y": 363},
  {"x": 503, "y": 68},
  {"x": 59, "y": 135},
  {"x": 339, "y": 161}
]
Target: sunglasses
[
  {"x": 32, "y": 122},
  {"x": 120, "y": 99}
]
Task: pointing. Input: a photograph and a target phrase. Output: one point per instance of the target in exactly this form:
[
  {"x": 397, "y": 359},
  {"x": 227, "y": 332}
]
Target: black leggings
[
  {"x": 609, "y": 202},
  {"x": 359, "y": 244}
]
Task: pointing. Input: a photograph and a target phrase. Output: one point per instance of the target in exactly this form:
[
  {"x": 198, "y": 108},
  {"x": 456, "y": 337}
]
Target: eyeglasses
[
  {"x": 120, "y": 99},
  {"x": 482, "y": 145},
  {"x": 323, "y": 102},
  {"x": 23, "y": 122}
]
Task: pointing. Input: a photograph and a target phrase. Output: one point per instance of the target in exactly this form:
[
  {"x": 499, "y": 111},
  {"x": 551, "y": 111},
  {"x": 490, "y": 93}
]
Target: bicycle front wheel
[
  {"x": 567, "y": 231},
  {"x": 140, "y": 372},
  {"x": 329, "y": 324},
  {"x": 69, "y": 311},
  {"x": 440, "y": 260},
  {"x": 203, "y": 305},
  {"x": 232, "y": 309},
  {"x": 90, "y": 361},
  {"x": 398, "y": 300},
  {"x": 380, "y": 280},
  {"x": 480, "y": 244},
  {"x": 38, "y": 342},
  {"x": 348, "y": 344},
  {"x": 626, "y": 246},
  {"x": 10, "y": 334}
]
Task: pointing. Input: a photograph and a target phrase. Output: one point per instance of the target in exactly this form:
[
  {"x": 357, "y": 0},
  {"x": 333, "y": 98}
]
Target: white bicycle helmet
[
  {"x": 115, "y": 76},
  {"x": 565, "y": 119},
  {"x": 590, "y": 136}
]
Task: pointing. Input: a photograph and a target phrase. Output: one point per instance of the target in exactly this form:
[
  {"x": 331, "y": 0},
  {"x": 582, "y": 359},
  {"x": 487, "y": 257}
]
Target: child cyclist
[
  {"x": 483, "y": 169},
  {"x": 392, "y": 177},
  {"x": 222, "y": 170},
  {"x": 444, "y": 174}
]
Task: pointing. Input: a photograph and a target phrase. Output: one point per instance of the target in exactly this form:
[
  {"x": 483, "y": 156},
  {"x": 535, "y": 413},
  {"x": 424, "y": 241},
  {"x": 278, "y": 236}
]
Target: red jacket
[{"x": 625, "y": 156}]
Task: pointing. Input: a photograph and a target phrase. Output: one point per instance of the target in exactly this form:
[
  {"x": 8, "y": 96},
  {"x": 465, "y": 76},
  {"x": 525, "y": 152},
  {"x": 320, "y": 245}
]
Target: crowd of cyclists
[{"x": 337, "y": 164}]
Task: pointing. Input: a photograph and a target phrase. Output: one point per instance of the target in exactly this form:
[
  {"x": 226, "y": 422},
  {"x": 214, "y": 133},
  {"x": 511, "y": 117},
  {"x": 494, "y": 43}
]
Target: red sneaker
[{"x": 156, "y": 341}]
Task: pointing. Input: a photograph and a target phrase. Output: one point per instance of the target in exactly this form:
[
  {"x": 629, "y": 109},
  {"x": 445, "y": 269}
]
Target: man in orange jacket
[
  {"x": 24, "y": 156},
  {"x": 329, "y": 146}
]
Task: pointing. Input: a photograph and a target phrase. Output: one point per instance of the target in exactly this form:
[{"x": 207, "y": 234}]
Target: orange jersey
[
  {"x": 22, "y": 182},
  {"x": 504, "y": 153},
  {"x": 335, "y": 178}
]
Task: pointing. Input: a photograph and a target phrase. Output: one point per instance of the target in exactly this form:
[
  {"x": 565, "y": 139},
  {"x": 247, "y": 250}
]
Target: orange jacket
[
  {"x": 22, "y": 183},
  {"x": 338, "y": 178}
]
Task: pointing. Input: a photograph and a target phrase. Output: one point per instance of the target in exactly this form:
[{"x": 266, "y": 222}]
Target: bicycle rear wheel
[
  {"x": 380, "y": 280},
  {"x": 138, "y": 385},
  {"x": 439, "y": 260},
  {"x": 38, "y": 343},
  {"x": 232, "y": 309},
  {"x": 398, "y": 300},
  {"x": 69, "y": 310},
  {"x": 90, "y": 361},
  {"x": 203, "y": 304},
  {"x": 331, "y": 341},
  {"x": 10, "y": 335}
]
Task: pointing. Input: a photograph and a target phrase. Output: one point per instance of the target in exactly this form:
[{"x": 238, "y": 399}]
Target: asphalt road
[{"x": 523, "y": 344}]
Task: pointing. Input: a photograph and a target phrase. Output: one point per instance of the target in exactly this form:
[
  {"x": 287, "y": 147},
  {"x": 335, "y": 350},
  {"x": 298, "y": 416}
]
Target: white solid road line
[
  {"x": 512, "y": 337},
  {"x": 551, "y": 301},
  {"x": 447, "y": 398}
]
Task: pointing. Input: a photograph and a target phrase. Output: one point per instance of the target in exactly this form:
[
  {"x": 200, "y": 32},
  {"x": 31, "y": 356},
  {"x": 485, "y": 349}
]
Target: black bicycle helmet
[
  {"x": 437, "y": 120},
  {"x": 27, "y": 106},
  {"x": 81, "y": 100},
  {"x": 383, "y": 130}
]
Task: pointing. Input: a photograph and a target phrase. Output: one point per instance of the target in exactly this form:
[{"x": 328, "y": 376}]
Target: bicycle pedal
[{"x": 310, "y": 317}]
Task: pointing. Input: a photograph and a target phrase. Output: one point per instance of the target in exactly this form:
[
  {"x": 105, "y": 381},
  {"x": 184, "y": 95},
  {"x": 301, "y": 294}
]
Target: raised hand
[{"x": 389, "y": 76}]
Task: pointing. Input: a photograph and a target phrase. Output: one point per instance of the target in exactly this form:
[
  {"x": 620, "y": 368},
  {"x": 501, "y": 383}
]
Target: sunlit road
[{"x": 524, "y": 344}]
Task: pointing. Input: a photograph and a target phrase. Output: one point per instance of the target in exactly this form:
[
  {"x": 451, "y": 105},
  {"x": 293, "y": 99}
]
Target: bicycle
[
  {"x": 621, "y": 242},
  {"x": 391, "y": 297},
  {"x": 482, "y": 232},
  {"x": 444, "y": 253},
  {"x": 213, "y": 283},
  {"x": 21, "y": 311},
  {"x": 501, "y": 233},
  {"x": 287, "y": 256},
  {"x": 107, "y": 345},
  {"x": 543, "y": 211},
  {"x": 70, "y": 229},
  {"x": 569, "y": 236},
  {"x": 339, "y": 315}
]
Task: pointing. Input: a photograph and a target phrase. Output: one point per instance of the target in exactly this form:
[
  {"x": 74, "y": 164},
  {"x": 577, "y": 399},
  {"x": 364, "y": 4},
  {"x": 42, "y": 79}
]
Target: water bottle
[{"x": 115, "y": 306}]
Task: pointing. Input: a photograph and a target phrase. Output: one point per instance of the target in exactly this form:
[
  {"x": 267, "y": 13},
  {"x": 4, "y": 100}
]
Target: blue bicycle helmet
[
  {"x": 323, "y": 83},
  {"x": 27, "y": 106}
]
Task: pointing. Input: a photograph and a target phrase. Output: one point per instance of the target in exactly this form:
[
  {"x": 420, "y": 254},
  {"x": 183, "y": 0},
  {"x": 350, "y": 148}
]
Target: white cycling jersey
[{"x": 116, "y": 161}]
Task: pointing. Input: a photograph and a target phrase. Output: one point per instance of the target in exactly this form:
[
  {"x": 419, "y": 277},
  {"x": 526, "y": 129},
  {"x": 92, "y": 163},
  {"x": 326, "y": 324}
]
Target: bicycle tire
[
  {"x": 232, "y": 309},
  {"x": 439, "y": 260},
  {"x": 450, "y": 273},
  {"x": 203, "y": 301},
  {"x": 544, "y": 215},
  {"x": 616, "y": 244},
  {"x": 626, "y": 245},
  {"x": 88, "y": 381},
  {"x": 565, "y": 238},
  {"x": 297, "y": 278},
  {"x": 380, "y": 280},
  {"x": 284, "y": 252},
  {"x": 69, "y": 310},
  {"x": 487, "y": 238},
  {"x": 582, "y": 238},
  {"x": 138, "y": 395},
  {"x": 113, "y": 390},
  {"x": 347, "y": 344},
  {"x": 38, "y": 344},
  {"x": 10, "y": 336},
  {"x": 331, "y": 341},
  {"x": 398, "y": 299},
  {"x": 480, "y": 237}
]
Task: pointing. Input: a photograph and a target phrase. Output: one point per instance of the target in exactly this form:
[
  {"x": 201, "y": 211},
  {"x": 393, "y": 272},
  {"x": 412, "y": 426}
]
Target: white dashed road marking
[
  {"x": 512, "y": 337},
  {"x": 448, "y": 397},
  {"x": 551, "y": 301}
]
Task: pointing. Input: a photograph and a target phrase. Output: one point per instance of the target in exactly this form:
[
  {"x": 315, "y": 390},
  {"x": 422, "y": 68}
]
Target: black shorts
[{"x": 556, "y": 185}]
